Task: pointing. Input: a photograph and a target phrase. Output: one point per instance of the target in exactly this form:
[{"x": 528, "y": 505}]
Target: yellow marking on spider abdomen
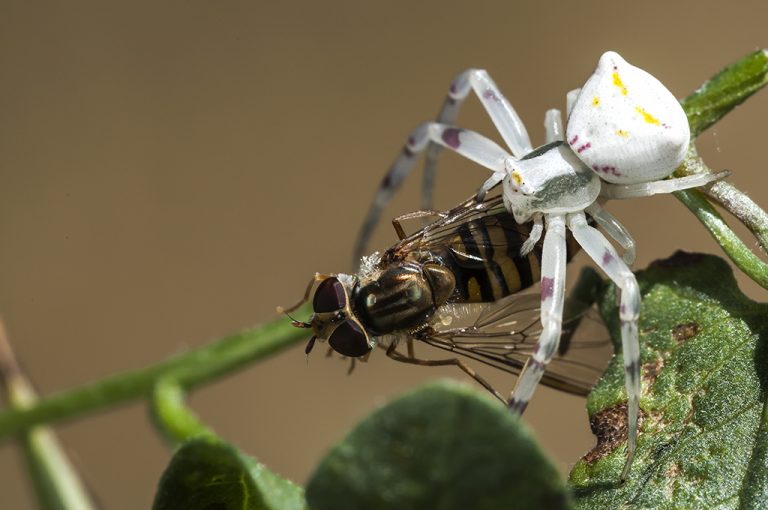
[
  {"x": 650, "y": 119},
  {"x": 617, "y": 81},
  {"x": 595, "y": 101},
  {"x": 622, "y": 133}
]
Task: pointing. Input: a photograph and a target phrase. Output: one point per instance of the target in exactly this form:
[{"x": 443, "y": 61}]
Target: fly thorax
[
  {"x": 399, "y": 298},
  {"x": 441, "y": 281}
]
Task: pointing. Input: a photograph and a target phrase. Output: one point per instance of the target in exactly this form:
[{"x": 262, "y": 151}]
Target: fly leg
[
  {"x": 392, "y": 353},
  {"x": 318, "y": 277},
  {"x": 427, "y": 213}
]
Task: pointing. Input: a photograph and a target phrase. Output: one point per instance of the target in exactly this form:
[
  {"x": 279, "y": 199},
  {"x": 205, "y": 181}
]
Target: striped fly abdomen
[{"x": 485, "y": 258}]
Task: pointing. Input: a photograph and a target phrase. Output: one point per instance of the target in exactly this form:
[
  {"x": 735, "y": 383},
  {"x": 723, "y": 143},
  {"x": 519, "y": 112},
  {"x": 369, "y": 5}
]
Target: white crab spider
[{"x": 625, "y": 133}]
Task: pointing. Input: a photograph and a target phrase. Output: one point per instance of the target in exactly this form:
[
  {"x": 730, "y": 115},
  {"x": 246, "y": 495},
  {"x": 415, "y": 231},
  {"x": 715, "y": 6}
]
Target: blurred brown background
[{"x": 171, "y": 171}]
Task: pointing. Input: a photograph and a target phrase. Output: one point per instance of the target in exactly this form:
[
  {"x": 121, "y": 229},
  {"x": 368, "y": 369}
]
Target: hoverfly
[{"x": 466, "y": 264}]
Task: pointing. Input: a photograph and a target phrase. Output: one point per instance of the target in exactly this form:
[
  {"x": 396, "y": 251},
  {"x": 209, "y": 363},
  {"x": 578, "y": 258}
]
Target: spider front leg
[
  {"x": 553, "y": 261},
  {"x": 469, "y": 144},
  {"x": 503, "y": 116},
  {"x": 604, "y": 255}
]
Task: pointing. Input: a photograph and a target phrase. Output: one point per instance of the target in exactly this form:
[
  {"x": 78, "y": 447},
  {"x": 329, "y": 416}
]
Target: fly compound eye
[
  {"x": 349, "y": 339},
  {"x": 329, "y": 296}
]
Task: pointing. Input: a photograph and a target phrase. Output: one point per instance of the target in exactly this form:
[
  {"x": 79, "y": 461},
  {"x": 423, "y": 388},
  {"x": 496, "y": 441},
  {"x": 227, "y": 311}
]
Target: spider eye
[
  {"x": 329, "y": 296},
  {"x": 349, "y": 339}
]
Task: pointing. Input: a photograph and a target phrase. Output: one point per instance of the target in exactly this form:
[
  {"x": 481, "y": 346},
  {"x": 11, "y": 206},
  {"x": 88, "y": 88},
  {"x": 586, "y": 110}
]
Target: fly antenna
[{"x": 296, "y": 324}]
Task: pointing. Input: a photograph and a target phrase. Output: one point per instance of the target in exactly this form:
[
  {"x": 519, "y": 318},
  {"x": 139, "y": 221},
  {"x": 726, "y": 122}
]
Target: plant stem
[
  {"x": 738, "y": 252},
  {"x": 729, "y": 197},
  {"x": 188, "y": 369},
  {"x": 171, "y": 415},
  {"x": 57, "y": 483}
]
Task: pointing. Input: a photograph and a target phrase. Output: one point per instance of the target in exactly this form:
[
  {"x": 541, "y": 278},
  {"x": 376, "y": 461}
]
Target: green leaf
[
  {"x": 704, "y": 432},
  {"x": 726, "y": 90},
  {"x": 441, "y": 447},
  {"x": 209, "y": 474}
]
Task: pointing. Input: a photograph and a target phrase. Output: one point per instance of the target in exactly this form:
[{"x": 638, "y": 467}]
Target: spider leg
[
  {"x": 604, "y": 255},
  {"x": 469, "y": 144},
  {"x": 392, "y": 353},
  {"x": 646, "y": 189},
  {"x": 534, "y": 235},
  {"x": 570, "y": 99},
  {"x": 503, "y": 115},
  {"x": 616, "y": 230},
  {"x": 552, "y": 301},
  {"x": 553, "y": 126}
]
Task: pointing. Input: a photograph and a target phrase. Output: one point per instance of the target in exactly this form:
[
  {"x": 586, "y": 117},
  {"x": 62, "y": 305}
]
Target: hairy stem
[
  {"x": 738, "y": 252},
  {"x": 730, "y": 198}
]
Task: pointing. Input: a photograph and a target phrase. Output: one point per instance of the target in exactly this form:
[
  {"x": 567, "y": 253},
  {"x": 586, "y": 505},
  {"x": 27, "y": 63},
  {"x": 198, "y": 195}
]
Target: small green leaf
[
  {"x": 209, "y": 474},
  {"x": 726, "y": 90},
  {"x": 704, "y": 431},
  {"x": 441, "y": 447}
]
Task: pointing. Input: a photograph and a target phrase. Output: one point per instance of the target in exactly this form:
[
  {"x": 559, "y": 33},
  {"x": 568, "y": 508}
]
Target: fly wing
[
  {"x": 443, "y": 233},
  {"x": 504, "y": 336}
]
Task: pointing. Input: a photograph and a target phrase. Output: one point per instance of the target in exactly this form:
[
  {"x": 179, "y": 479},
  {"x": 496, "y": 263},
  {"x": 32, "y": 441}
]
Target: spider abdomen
[{"x": 626, "y": 125}]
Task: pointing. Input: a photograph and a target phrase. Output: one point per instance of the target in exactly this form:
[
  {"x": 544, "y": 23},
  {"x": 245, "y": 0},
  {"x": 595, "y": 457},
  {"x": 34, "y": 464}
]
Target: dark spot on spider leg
[
  {"x": 547, "y": 288},
  {"x": 517, "y": 406},
  {"x": 451, "y": 137}
]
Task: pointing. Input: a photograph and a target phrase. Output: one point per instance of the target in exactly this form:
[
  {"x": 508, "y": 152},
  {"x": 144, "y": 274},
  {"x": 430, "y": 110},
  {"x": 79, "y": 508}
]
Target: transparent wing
[
  {"x": 505, "y": 334},
  {"x": 465, "y": 230}
]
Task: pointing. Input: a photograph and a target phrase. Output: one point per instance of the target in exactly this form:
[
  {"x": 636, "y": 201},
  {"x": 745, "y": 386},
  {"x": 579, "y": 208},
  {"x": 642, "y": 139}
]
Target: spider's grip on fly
[{"x": 625, "y": 135}]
